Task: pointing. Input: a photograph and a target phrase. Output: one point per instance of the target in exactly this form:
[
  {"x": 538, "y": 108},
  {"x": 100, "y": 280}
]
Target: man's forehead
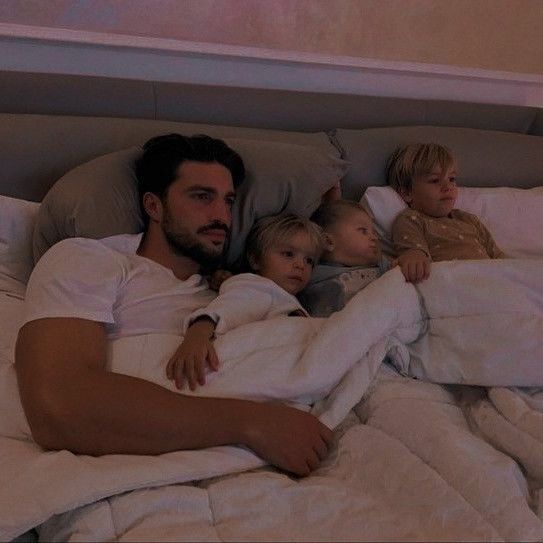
[{"x": 209, "y": 174}]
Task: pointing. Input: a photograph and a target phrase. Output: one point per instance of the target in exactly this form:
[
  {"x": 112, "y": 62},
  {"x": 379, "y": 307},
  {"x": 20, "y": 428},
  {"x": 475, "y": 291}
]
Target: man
[{"x": 85, "y": 292}]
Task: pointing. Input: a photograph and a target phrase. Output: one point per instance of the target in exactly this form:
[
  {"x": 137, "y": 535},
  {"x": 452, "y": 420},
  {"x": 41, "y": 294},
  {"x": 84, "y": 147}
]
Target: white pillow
[
  {"x": 17, "y": 218},
  {"x": 514, "y": 217}
]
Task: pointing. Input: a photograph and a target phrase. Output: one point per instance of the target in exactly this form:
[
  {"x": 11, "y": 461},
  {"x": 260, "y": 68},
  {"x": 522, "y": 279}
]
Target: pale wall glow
[{"x": 489, "y": 34}]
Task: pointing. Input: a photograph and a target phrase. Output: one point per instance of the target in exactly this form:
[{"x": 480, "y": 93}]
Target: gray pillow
[
  {"x": 486, "y": 158},
  {"x": 100, "y": 199}
]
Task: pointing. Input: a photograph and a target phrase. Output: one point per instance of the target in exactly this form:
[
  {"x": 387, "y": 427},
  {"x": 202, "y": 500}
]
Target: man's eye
[
  {"x": 230, "y": 202},
  {"x": 201, "y": 196}
]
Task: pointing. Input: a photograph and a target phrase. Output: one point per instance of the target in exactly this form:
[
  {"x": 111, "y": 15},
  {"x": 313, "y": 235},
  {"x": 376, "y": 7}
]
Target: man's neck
[{"x": 155, "y": 247}]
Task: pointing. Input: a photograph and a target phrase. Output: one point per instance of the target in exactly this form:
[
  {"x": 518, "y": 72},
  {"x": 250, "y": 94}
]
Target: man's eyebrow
[
  {"x": 210, "y": 190},
  {"x": 201, "y": 188}
]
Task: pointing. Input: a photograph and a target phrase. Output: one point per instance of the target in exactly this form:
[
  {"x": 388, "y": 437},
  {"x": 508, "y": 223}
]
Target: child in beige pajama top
[{"x": 431, "y": 229}]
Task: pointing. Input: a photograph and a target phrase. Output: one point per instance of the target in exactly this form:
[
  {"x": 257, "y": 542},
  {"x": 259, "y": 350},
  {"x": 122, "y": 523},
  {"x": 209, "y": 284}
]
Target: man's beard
[{"x": 184, "y": 243}]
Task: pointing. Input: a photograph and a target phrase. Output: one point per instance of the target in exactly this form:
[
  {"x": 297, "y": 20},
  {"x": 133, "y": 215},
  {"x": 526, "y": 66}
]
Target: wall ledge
[{"x": 62, "y": 51}]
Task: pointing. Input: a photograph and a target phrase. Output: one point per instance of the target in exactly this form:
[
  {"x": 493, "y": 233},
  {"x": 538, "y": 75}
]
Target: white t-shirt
[
  {"x": 106, "y": 281},
  {"x": 246, "y": 298}
]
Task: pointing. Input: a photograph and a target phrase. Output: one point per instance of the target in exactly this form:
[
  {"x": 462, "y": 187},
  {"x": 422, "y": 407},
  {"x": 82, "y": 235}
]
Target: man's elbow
[{"x": 47, "y": 420}]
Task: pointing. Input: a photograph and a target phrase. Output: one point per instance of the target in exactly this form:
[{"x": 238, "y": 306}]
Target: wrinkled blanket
[{"x": 424, "y": 466}]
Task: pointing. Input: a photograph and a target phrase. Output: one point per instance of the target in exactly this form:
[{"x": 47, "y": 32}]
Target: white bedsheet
[{"x": 416, "y": 470}]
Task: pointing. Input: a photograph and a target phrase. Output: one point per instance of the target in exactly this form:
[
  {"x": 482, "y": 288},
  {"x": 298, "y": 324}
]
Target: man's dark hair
[{"x": 156, "y": 169}]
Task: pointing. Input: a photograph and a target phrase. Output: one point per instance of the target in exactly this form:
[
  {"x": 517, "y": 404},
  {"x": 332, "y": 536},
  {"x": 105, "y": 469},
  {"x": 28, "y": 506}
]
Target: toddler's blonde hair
[
  {"x": 330, "y": 213},
  {"x": 269, "y": 231},
  {"x": 416, "y": 159}
]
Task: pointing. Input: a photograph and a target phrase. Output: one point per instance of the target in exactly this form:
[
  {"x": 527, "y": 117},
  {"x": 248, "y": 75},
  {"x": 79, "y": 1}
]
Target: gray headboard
[
  {"x": 54, "y": 94},
  {"x": 51, "y": 123}
]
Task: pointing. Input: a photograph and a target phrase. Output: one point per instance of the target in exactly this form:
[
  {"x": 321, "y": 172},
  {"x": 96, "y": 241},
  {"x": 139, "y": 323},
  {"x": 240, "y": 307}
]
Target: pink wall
[{"x": 490, "y": 34}]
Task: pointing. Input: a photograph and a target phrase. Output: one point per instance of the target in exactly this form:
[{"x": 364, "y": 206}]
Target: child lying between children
[
  {"x": 432, "y": 230},
  {"x": 350, "y": 261}
]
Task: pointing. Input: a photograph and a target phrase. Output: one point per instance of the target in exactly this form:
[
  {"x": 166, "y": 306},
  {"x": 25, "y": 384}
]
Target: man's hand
[
  {"x": 288, "y": 438},
  {"x": 415, "y": 265},
  {"x": 189, "y": 360}
]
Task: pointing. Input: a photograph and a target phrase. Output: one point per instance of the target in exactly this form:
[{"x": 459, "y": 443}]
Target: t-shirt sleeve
[
  {"x": 408, "y": 233},
  {"x": 242, "y": 299},
  {"x": 76, "y": 278}
]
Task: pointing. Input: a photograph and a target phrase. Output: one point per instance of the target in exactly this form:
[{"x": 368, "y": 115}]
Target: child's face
[
  {"x": 289, "y": 263},
  {"x": 433, "y": 194},
  {"x": 352, "y": 241}
]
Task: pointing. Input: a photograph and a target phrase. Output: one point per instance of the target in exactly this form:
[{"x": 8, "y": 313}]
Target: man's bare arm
[{"x": 72, "y": 402}]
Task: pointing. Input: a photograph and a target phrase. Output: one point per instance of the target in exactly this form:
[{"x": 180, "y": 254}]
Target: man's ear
[
  {"x": 406, "y": 195},
  {"x": 153, "y": 206}
]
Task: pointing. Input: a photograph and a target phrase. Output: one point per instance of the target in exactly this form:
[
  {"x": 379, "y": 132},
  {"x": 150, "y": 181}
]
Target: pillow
[
  {"x": 95, "y": 200},
  {"x": 99, "y": 198},
  {"x": 514, "y": 217},
  {"x": 17, "y": 219}
]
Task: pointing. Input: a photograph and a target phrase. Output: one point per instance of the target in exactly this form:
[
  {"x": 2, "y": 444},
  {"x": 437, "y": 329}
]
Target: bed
[{"x": 436, "y": 402}]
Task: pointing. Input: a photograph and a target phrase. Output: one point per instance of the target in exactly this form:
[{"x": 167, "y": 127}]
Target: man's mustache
[{"x": 217, "y": 225}]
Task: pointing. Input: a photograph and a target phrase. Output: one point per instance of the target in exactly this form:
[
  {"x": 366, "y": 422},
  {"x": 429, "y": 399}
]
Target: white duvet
[{"x": 428, "y": 464}]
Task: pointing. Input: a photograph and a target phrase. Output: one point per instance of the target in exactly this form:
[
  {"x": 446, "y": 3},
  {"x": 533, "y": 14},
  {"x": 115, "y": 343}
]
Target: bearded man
[{"x": 84, "y": 293}]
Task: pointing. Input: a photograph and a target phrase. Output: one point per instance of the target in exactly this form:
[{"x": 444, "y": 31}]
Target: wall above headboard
[
  {"x": 32, "y": 49},
  {"x": 68, "y": 72}
]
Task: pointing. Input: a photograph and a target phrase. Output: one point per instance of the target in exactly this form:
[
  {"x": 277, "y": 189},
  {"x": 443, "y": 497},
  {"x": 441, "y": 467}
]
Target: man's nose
[{"x": 221, "y": 212}]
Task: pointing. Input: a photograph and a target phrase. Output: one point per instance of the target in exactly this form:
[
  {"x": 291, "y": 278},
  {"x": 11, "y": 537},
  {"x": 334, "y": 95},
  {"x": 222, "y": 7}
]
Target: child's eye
[
  {"x": 288, "y": 254},
  {"x": 363, "y": 230},
  {"x": 452, "y": 179},
  {"x": 310, "y": 260},
  {"x": 434, "y": 180}
]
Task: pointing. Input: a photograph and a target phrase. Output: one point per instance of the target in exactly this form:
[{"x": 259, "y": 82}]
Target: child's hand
[
  {"x": 218, "y": 278},
  {"x": 189, "y": 360},
  {"x": 415, "y": 265}
]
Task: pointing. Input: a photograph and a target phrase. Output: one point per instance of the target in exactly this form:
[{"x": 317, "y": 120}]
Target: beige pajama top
[{"x": 459, "y": 236}]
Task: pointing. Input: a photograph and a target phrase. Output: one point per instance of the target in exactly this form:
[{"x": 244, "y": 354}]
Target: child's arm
[
  {"x": 411, "y": 246},
  {"x": 415, "y": 265},
  {"x": 241, "y": 300},
  {"x": 189, "y": 360}
]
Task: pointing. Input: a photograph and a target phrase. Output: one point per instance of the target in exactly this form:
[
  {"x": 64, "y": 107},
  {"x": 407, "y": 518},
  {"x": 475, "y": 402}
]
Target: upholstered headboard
[
  {"x": 38, "y": 149},
  {"x": 51, "y": 123}
]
